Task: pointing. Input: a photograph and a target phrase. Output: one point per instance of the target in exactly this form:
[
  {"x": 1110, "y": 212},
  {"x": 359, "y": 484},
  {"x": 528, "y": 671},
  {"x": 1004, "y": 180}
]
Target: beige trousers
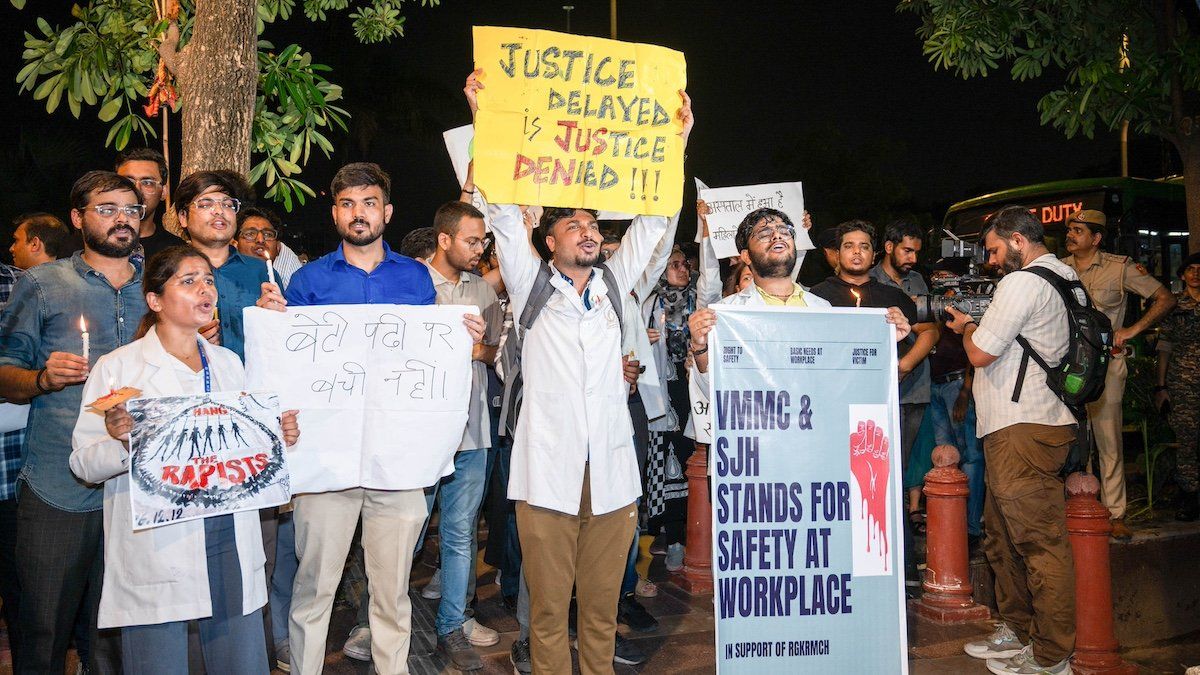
[
  {"x": 325, "y": 524},
  {"x": 1106, "y": 421}
]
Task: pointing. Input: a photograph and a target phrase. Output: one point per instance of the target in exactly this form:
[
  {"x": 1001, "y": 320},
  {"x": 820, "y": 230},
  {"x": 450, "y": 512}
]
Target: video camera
[{"x": 957, "y": 284}]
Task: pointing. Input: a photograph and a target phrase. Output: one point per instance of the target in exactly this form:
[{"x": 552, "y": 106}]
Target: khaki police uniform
[{"x": 1107, "y": 279}]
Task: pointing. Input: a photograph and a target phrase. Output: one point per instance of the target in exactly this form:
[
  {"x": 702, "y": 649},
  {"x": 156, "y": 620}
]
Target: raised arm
[
  {"x": 658, "y": 261},
  {"x": 518, "y": 262}
]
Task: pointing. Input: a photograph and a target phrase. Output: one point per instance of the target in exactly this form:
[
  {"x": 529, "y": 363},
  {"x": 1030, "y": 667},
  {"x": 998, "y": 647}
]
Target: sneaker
[
  {"x": 519, "y": 656},
  {"x": 1024, "y": 664},
  {"x": 1001, "y": 644},
  {"x": 479, "y": 634},
  {"x": 627, "y": 652},
  {"x": 458, "y": 649},
  {"x": 283, "y": 656},
  {"x": 358, "y": 645},
  {"x": 1120, "y": 531},
  {"x": 433, "y": 589},
  {"x": 646, "y": 588},
  {"x": 674, "y": 557},
  {"x": 631, "y": 613}
]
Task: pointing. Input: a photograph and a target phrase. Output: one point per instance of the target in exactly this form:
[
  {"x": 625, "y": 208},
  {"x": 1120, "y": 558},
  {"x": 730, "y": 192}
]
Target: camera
[{"x": 957, "y": 284}]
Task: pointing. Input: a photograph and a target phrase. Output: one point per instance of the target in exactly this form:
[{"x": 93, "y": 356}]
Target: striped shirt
[
  {"x": 1024, "y": 304},
  {"x": 10, "y": 442}
]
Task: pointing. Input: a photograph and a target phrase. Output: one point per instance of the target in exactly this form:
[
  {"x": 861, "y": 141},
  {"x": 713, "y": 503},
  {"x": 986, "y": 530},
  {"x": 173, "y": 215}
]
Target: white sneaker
[
  {"x": 433, "y": 589},
  {"x": 675, "y": 557},
  {"x": 478, "y": 634},
  {"x": 1024, "y": 664},
  {"x": 1001, "y": 644},
  {"x": 358, "y": 645}
]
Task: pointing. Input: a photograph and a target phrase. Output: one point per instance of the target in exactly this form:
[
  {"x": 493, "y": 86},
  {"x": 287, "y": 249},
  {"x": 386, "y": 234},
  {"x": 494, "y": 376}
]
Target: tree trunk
[
  {"x": 1190, "y": 153},
  {"x": 217, "y": 78}
]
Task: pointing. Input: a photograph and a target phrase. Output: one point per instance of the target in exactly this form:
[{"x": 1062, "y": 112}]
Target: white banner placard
[
  {"x": 728, "y": 206},
  {"x": 382, "y": 390}
]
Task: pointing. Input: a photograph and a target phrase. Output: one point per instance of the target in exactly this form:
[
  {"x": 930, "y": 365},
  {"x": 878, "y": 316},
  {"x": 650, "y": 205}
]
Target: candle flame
[
  {"x": 82, "y": 325},
  {"x": 857, "y": 297}
]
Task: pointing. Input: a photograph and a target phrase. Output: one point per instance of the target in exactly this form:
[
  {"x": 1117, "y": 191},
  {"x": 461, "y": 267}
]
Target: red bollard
[
  {"x": 1088, "y": 525},
  {"x": 947, "y": 583},
  {"x": 696, "y": 576}
]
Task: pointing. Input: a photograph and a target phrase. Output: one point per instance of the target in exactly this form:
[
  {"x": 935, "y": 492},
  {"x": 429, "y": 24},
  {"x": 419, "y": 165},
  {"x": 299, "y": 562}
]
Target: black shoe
[
  {"x": 519, "y": 656},
  {"x": 509, "y": 602},
  {"x": 1189, "y": 507},
  {"x": 458, "y": 649},
  {"x": 631, "y": 613},
  {"x": 627, "y": 653}
]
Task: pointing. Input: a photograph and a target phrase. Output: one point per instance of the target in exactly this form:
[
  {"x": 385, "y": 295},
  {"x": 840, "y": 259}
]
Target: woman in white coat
[{"x": 156, "y": 580}]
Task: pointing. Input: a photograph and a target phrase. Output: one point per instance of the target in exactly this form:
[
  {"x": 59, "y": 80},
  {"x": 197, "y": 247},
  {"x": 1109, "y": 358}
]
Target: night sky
[{"x": 834, "y": 94}]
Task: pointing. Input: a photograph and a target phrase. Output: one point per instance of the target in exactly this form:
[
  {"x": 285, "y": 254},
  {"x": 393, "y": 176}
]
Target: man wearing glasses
[
  {"x": 148, "y": 170},
  {"x": 259, "y": 235},
  {"x": 60, "y": 520},
  {"x": 207, "y": 207}
]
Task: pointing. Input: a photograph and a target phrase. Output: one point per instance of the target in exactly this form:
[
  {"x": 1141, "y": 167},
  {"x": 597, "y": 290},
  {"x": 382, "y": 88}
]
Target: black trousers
[
  {"x": 10, "y": 590},
  {"x": 60, "y": 565}
]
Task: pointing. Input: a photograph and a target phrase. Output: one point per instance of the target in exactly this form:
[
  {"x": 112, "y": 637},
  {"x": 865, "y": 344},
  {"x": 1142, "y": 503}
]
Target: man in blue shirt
[
  {"x": 207, "y": 204},
  {"x": 60, "y": 519},
  {"x": 362, "y": 270}
]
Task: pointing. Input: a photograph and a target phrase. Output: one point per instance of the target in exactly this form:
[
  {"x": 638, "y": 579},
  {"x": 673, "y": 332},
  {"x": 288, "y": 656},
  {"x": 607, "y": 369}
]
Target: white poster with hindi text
[
  {"x": 728, "y": 206},
  {"x": 382, "y": 390}
]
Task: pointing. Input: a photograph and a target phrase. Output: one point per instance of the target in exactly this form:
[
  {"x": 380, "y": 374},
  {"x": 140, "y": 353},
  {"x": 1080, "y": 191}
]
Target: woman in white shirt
[{"x": 156, "y": 580}]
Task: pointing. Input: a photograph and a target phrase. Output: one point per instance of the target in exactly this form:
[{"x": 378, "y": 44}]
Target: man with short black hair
[
  {"x": 260, "y": 234},
  {"x": 1107, "y": 278},
  {"x": 419, "y": 244},
  {"x": 60, "y": 520},
  {"x": 147, "y": 169},
  {"x": 1026, "y": 440},
  {"x": 363, "y": 269},
  {"x": 206, "y": 203},
  {"x": 39, "y": 238}
]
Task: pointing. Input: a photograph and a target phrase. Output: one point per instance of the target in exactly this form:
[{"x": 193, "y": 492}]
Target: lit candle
[
  {"x": 87, "y": 347},
  {"x": 270, "y": 270},
  {"x": 857, "y": 297}
]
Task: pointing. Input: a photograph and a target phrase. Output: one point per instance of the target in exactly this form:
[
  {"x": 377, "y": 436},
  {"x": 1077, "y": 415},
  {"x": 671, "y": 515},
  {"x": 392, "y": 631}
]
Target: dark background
[{"x": 834, "y": 94}]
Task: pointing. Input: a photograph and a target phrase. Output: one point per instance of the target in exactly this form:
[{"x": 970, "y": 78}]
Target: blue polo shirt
[
  {"x": 239, "y": 285},
  {"x": 330, "y": 280}
]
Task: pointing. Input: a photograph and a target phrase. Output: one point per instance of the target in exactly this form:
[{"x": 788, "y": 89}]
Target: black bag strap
[
  {"x": 614, "y": 295},
  {"x": 1027, "y": 349},
  {"x": 539, "y": 295}
]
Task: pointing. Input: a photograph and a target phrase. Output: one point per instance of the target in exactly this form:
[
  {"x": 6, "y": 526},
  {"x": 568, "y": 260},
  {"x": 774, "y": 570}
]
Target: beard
[
  {"x": 772, "y": 269},
  {"x": 365, "y": 239},
  {"x": 902, "y": 269},
  {"x": 584, "y": 260},
  {"x": 1011, "y": 261},
  {"x": 101, "y": 244}
]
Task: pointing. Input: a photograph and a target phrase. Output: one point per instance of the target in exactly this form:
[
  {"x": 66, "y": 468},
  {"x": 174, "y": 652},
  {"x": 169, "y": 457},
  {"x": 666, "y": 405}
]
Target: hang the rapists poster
[
  {"x": 382, "y": 390},
  {"x": 807, "y": 545},
  {"x": 566, "y": 120},
  {"x": 205, "y": 455}
]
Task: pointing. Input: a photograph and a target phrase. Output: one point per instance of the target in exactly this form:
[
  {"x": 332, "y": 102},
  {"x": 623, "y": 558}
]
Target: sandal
[{"x": 917, "y": 518}]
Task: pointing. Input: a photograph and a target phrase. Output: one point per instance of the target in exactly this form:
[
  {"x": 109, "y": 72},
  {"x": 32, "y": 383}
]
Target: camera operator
[
  {"x": 1108, "y": 278},
  {"x": 1026, "y": 443}
]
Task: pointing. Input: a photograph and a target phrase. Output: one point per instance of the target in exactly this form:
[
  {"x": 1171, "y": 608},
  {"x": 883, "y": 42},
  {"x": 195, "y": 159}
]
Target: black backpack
[
  {"x": 539, "y": 295},
  {"x": 1079, "y": 378}
]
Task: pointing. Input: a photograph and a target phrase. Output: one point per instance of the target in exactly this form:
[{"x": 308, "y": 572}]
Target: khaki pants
[
  {"x": 1106, "y": 420},
  {"x": 1025, "y": 522},
  {"x": 325, "y": 523},
  {"x": 554, "y": 547}
]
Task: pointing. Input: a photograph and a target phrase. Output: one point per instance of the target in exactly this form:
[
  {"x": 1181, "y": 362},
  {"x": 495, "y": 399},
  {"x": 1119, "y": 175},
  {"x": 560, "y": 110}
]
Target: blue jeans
[
  {"x": 462, "y": 493},
  {"x": 629, "y": 583},
  {"x": 961, "y": 436},
  {"x": 511, "y": 568},
  {"x": 231, "y": 643},
  {"x": 279, "y": 590}
]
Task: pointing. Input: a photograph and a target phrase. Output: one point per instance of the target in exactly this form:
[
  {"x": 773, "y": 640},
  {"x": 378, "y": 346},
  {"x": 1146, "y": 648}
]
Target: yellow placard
[{"x": 583, "y": 122}]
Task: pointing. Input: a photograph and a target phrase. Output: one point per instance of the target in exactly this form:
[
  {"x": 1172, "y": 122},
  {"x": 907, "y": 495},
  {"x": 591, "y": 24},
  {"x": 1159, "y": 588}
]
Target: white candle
[
  {"x": 86, "y": 341},
  {"x": 857, "y": 298},
  {"x": 270, "y": 269}
]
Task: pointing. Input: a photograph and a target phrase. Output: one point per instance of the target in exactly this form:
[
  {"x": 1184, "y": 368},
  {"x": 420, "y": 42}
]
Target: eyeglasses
[
  {"x": 135, "y": 211},
  {"x": 680, "y": 264},
  {"x": 208, "y": 204},
  {"x": 149, "y": 183},
  {"x": 251, "y": 235},
  {"x": 768, "y": 233}
]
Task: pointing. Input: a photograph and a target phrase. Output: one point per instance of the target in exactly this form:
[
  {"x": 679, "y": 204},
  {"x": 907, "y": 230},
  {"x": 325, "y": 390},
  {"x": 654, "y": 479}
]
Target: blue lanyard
[{"x": 204, "y": 365}]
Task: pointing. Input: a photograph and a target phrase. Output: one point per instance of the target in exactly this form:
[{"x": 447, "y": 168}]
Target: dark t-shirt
[
  {"x": 949, "y": 356},
  {"x": 160, "y": 240}
]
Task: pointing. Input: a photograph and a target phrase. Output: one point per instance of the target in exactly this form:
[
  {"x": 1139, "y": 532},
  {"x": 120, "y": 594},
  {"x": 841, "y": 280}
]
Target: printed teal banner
[{"x": 805, "y": 459}]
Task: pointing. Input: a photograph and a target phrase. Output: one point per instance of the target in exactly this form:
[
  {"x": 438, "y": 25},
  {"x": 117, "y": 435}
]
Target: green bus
[{"x": 1147, "y": 219}]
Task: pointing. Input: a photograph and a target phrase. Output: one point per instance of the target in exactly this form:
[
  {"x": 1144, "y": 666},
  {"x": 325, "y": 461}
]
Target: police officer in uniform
[{"x": 1107, "y": 278}]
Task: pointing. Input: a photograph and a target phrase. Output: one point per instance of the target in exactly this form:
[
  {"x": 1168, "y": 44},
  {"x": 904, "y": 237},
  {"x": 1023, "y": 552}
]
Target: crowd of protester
[{"x": 579, "y": 427}]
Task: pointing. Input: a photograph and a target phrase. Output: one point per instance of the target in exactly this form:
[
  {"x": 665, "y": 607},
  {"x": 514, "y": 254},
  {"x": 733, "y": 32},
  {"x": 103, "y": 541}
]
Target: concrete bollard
[
  {"x": 696, "y": 576},
  {"x": 947, "y": 584},
  {"x": 1096, "y": 648}
]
